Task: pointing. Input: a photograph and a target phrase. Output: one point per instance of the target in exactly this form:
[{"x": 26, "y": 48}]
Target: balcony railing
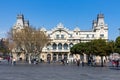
[{"x": 56, "y": 50}]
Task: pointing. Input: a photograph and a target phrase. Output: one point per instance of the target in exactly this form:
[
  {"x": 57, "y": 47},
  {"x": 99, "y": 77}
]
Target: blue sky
[{"x": 71, "y": 13}]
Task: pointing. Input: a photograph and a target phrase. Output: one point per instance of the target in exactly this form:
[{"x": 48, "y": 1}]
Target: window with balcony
[
  {"x": 54, "y": 46},
  {"x": 60, "y": 46},
  {"x": 66, "y": 46}
]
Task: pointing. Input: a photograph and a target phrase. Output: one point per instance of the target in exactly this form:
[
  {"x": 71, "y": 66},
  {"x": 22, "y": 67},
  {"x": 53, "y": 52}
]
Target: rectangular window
[
  {"x": 57, "y": 36},
  {"x": 77, "y": 33},
  {"x": 87, "y": 36},
  {"x": 101, "y": 35},
  {"x": 62, "y": 36},
  {"x": 93, "y": 36}
]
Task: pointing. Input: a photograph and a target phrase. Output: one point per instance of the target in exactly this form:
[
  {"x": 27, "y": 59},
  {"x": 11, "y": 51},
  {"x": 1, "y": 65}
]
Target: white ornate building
[{"x": 62, "y": 38}]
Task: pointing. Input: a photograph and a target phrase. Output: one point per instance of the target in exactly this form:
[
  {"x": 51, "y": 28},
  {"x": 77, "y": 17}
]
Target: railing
[{"x": 56, "y": 50}]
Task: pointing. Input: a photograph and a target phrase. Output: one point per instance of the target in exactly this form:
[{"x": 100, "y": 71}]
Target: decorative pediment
[
  {"x": 76, "y": 29},
  {"x": 60, "y": 27}
]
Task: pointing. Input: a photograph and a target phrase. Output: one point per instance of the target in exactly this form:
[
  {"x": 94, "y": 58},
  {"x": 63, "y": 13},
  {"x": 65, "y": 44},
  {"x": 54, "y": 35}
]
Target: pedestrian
[
  {"x": 14, "y": 61},
  {"x": 49, "y": 60},
  {"x": 8, "y": 59},
  {"x": 113, "y": 63},
  {"x": 62, "y": 62},
  {"x": 34, "y": 61},
  {"x": 67, "y": 61},
  {"x": 89, "y": 62},
  {"x": 82, "y": 63},
  {"x": 117, "y": 63},
  {"x": 78, "y": 62}
]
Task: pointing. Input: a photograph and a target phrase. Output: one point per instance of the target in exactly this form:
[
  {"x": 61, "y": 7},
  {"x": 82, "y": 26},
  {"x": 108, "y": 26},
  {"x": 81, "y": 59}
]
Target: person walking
[
  {"x": 62, "y": 62},
  {"x": 8, "y": 59},
  {"x": 14, "y": 61},
  {"x": 78, "y": 62},
  {"x": 82, "y": 63},
  {"x": 117, "y": 63},
  {"x": 67, "y": 61}
]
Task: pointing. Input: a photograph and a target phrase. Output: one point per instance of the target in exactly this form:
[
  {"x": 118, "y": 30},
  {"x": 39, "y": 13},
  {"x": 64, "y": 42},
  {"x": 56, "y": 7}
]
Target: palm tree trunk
[
  {"x": 29, "y": 59},
  {"x": 88, "y": 59},
  {"x": 101, "y": 61}
]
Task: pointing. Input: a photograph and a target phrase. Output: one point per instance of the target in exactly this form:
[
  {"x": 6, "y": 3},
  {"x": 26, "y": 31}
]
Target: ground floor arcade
[{"x": 57, "y": 56}]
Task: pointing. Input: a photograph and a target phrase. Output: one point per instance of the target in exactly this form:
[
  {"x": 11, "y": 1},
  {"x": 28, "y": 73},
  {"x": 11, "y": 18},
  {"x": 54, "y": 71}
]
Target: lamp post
[{"x": 119, "y": 31}]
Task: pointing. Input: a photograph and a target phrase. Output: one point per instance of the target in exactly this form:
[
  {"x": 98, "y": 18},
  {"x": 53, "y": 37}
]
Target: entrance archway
[
  {"x": 65, "y": 56},
  {"x": 48, "y": 57},
  {"x": 54, "y": 57},
  {"x": 59, "y": 57}
]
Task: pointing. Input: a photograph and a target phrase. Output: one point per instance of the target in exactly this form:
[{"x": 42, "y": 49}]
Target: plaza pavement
[{"x": 45, "y": 71}]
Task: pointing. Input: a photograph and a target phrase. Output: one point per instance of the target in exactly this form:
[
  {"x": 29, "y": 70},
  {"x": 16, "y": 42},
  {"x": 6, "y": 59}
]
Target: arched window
[
  {"x": 65, "y": 46},
  {"x": 59, "y": 46},
  {"x": 54, "y": 46}
]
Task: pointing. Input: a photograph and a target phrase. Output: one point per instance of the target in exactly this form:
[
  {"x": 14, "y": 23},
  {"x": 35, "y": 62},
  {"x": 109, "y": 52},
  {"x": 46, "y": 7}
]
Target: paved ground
[{"x": 56, "y": 72}]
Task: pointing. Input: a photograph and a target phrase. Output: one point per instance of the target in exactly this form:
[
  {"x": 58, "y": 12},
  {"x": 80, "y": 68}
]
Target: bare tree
[
  {"x": 31, "y": 40},
  {"x": 41, "y": 40},
  {"x": 14, "y": 42}
]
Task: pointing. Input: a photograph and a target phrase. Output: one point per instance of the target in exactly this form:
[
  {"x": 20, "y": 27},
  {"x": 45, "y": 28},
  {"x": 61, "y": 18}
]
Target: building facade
[{"x": 62, "y": 39}]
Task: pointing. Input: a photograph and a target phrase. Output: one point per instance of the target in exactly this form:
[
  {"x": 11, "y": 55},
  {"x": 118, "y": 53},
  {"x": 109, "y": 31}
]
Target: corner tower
[
  {"x": 20, "y": 22},
  {"x": 20, "y": 19},
  {"x": 100, "y": 27}
]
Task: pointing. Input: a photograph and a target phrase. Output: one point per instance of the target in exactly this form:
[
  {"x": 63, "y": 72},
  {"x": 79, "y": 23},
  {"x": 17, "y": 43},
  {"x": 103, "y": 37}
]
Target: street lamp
[{"x": 119, "y": 31}]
